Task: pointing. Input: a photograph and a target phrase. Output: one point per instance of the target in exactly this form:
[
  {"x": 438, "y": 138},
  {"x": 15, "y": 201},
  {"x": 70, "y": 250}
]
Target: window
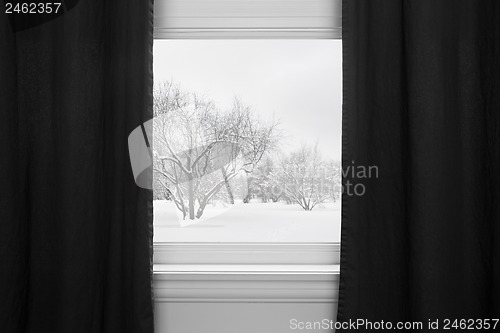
[
  {"x": 270, "y": 71},
  {"x": 280, "y": 100}
]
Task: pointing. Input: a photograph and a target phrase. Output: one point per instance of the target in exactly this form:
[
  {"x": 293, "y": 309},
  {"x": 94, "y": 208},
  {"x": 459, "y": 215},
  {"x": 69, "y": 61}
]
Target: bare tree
[
  {"x": 198, "y": 148},
  {"x": 302, "y": 177},
  {"x": 168, "y": 96},
  {"x": 262, "y": 184}
]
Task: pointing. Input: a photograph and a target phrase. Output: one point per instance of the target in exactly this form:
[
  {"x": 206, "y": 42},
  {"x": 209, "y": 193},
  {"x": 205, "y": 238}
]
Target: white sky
[{"x": 298, "y": 82}]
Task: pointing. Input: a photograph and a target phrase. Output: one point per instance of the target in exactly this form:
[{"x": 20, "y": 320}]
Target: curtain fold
[
  {"x": 75, "y": 230},
  {"x": 422, "y": 104}
]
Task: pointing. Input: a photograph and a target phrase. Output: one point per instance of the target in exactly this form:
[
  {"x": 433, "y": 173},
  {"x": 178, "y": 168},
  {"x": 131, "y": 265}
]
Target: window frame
[
  {"x": 275, "y": 19},
  {"x": 282, "y": 259}
]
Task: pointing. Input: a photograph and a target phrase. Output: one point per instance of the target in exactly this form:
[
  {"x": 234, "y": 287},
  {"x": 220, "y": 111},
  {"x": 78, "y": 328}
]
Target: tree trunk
[
  {"x": 228, "y": 187},
  {"x": 203, "y": 204},
  {"x": 249, "y": 195},
  {"x": 191, "y": 196}
]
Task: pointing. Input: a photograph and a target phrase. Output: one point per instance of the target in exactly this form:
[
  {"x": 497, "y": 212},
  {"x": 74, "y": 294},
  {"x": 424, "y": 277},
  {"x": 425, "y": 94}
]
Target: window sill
[
  {"x": 247, "y": 254},
  {"x": 246, "y": 272},
  {"x": 246, "y": 283}
]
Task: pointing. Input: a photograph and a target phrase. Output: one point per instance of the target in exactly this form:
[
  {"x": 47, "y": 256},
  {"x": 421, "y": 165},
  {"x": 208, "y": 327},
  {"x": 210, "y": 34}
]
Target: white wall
[
  {"x": 242, "y": 303},
  {"x": 238, "y": 317}
]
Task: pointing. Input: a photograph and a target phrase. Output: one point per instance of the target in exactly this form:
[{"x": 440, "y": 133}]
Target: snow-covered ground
[{"x": 252, "y": 222}]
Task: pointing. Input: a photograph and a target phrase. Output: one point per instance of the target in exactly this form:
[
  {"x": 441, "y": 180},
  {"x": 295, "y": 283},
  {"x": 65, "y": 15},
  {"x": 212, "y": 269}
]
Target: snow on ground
[{"x": 252, "y": 222}]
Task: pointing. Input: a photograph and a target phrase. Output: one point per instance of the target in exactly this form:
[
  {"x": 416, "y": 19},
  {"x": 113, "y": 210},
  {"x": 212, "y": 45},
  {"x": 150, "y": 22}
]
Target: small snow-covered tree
[
  {"x": 261, "y": 183},
  {"x": 302, "y": 177}
]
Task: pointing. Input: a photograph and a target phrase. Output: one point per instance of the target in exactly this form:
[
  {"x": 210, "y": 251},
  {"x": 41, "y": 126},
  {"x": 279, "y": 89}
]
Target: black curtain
[
  {"x": 75, "y": 230},
  {"x": 422, "y": 103}
]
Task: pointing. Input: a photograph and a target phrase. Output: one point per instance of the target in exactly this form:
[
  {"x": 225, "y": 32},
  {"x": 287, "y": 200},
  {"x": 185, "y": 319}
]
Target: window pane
[{"x": 247, "y": 140}]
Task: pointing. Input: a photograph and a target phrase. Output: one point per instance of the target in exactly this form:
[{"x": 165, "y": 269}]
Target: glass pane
[{"x": 247, "y": 140}]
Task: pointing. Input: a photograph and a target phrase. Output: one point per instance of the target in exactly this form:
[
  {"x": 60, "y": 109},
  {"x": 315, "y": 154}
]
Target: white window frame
[
  {"x": 246, "y": 272},
  {"x": 213, "y": 272},
  {"x": 231, "y": 253},
  {"x": 276, "y": 19}
]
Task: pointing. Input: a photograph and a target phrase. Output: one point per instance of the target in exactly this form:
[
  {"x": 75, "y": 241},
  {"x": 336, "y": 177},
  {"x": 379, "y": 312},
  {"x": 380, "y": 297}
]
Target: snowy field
[{"x": 252, "y": 222}]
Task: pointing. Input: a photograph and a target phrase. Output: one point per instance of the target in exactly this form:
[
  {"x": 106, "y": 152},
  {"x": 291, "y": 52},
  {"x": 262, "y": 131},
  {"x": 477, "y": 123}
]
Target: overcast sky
[{"x": 298, "y": 82}]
